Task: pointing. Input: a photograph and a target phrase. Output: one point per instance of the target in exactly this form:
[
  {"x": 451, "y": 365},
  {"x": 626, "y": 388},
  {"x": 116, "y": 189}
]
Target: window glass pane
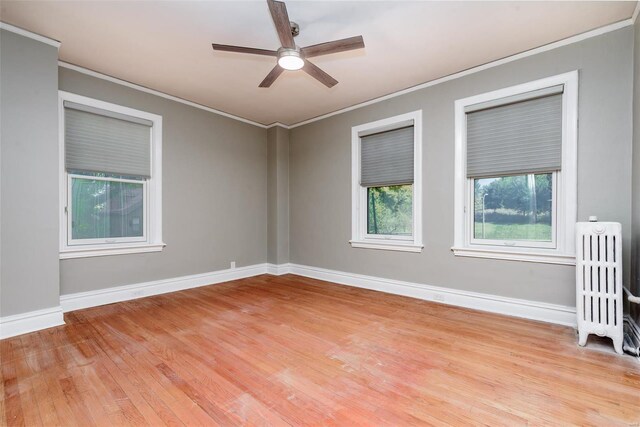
[
  {"x": 106, "y": 209},
  {"x": 390, "y": 210},
  {"x": 513, "y": 208}
]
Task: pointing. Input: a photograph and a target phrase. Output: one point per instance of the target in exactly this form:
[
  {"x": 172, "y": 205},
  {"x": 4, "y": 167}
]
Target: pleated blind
[
  {"x": 98, "y": 140},
  {"x": 386, "y": 158},
  {"x": 516, "y": 135}
]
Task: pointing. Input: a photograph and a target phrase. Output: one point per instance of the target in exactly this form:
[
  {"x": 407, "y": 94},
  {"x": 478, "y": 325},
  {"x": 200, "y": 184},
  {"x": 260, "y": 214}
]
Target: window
[
  {"x": 386, "y": 181},
  {"x": 516, "y": 208},
  {"x": 390, "y": 210},
  {"x": 110, "y": 160},
  {"x": 515, "y": 188}
]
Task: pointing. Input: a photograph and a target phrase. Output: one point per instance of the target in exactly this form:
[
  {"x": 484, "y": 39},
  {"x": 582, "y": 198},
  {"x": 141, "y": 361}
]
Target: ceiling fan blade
[
  {"x": 281, "y": 19},
  {"x": 335, "y": 46},
  {"x": 272, "y": 76},
  {"x": 241, "y": 49},
  {"x": 319, "y": 75}
]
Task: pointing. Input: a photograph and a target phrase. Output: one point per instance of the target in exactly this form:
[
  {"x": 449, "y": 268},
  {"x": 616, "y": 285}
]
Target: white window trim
[
  {"x": 359, "y": 236},
  {"x": 565, "y": 193},
  {"x": 152, "y": 189}
]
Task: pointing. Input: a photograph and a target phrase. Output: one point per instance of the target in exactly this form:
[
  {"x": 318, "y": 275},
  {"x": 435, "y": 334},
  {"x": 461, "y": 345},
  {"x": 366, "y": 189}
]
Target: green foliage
[
  {"x": 390, "y": 210},
  {"x": 515, "y": 207},
  {"x": 103, "y": 209},
  {"x": 88, "y": 208},
  {"x": 534, "y": 232},
  {"x": 516, "y": 193},
  {"x": 506, "y": 216}
]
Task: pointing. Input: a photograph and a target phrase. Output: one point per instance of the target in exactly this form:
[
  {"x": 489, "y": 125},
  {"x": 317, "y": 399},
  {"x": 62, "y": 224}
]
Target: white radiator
[{"x": 599, "y": 281}]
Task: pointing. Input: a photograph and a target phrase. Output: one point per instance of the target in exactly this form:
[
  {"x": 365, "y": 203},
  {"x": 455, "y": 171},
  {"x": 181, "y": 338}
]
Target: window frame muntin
[
  {"x": 360, "y": 238},
  {"x": 153, "y": 187},
  {"x": 566, "y": 181}
]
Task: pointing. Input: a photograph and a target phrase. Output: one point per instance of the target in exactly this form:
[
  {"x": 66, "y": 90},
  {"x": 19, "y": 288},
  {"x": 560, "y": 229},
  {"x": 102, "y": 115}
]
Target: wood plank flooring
[{"x": 295, "y": 351}]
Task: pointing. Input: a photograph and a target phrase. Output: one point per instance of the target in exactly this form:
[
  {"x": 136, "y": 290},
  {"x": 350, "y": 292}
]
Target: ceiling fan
[{"x": 290, "y": 56}]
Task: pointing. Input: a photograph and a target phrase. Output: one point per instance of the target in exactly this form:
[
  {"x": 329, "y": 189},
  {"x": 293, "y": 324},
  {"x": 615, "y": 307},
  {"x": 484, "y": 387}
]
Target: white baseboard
[
  {"x": 82, "y": 300},
  {"x": 23, "y": 323},
  {"x": 278, "y": 269},
  {"x": 551, "y": 313},
  {"x": 42, "y": 319}
]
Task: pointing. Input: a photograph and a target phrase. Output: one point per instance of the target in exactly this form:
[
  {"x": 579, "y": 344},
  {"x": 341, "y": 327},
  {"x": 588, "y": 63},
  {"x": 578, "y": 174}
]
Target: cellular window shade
[
  {"x": 103, "y": 141},
  {"x": 520, "y": 137},
  {"x": 386, "y": 158}
]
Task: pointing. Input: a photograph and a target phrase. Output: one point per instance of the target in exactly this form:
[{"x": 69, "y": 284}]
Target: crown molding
[
  {"x": 157, "y": 93},
  {"x": 276, "y": 124},
  {"x": 545, "y": 48},
  {"x": 29, "y": 34}
]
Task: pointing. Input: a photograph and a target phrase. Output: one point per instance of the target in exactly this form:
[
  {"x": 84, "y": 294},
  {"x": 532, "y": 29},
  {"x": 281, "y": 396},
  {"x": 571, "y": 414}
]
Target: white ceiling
[{"x": 166, "y": 45}]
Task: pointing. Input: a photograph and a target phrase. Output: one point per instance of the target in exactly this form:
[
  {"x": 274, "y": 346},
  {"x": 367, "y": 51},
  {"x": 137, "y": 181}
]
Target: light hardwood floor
[{"x": 294, "y": 351}]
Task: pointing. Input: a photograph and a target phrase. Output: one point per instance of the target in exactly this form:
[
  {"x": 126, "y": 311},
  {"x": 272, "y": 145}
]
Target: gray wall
[
  {"x": 278, "y": 195},
  {"x": 320, "y": 191},
  {"x": 214, "y": 193},
  {"x": 226, "y": 184},
  {"x": 635, "y": 260},
  {"x": 29, "y": 175}
]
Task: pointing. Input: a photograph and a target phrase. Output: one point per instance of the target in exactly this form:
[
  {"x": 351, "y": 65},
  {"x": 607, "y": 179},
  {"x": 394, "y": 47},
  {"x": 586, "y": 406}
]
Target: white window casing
[
  {"x": 359, "y": 236},
  {"x": 151, "y": 239},
  {"x": 561, "y": 250}
]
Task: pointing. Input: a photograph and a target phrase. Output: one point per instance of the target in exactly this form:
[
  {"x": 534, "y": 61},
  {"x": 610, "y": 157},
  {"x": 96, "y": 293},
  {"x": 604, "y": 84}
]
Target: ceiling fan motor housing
[
  {"x": 295, "y": 29},
  {"x": 293, "y": 51}
]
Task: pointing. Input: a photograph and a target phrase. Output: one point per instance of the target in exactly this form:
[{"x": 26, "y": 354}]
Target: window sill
[
  {"x": 386, "y": 245},
  {"x": 103, "y": 251},
  {"x": 515, "y": 255}
]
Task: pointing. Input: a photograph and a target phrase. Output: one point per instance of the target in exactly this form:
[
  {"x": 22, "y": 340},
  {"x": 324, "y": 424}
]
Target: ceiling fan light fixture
[
  {"x": 290, "y": 56},
  {"x": 290, "y": 60}
]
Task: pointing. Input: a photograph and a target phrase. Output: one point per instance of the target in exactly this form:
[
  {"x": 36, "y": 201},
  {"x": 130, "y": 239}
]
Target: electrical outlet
[
  {"x": 438, "y": 297},
  {"x": 233, "y": 265}
]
